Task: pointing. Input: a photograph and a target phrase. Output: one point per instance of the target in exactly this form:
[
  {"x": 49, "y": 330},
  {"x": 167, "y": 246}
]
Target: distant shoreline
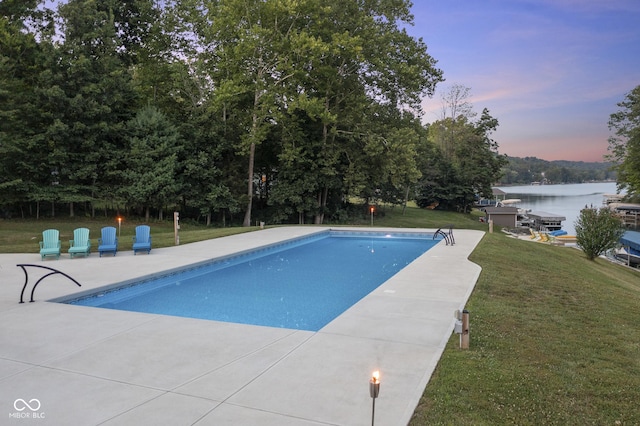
[{"x": 499, "y": 185}]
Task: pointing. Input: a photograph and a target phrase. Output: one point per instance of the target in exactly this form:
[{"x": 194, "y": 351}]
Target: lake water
[{"x": 563, "y": 200}]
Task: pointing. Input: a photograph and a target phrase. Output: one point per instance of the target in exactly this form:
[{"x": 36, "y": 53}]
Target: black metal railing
[
  {"x": 448, "y": 236},
  {"x": 26, "y": 279}
]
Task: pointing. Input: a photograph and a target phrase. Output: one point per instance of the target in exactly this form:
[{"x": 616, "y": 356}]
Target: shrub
[{"x": 597, "y": 230}]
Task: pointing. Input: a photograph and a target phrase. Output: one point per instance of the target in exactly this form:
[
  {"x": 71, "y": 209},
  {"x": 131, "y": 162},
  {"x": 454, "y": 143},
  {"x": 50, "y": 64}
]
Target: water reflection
[{"x": 562, "y": 200}]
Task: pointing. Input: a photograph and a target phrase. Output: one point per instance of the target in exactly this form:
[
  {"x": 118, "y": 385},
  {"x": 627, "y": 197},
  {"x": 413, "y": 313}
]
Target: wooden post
[
  {"x": 491, "y": 226},
  {"x": 176, "y": 227},
  {"x": 464, "y": 336}
]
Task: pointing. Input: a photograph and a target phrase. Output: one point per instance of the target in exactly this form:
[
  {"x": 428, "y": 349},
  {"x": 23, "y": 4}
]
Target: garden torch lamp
[
  {"x": 374, "y": 390},
  {"x": 119, "y": 225}
]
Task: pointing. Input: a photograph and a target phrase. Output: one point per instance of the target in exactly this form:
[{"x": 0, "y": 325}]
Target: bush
[{"x": 597, "y": 230}]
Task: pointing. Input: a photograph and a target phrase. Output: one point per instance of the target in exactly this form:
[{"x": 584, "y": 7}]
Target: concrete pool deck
[{"x": 62, "y": 364}]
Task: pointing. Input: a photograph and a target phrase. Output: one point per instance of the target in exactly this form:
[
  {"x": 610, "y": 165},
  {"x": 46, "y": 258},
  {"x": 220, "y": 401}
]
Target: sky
[{"x": 551, "y": 71}]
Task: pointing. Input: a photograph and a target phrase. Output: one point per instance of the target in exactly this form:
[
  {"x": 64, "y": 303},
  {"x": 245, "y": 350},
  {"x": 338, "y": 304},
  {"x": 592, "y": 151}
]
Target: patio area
[{"x": 63, "y": 364}]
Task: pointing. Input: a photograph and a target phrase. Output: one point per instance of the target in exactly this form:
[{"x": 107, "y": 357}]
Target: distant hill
[{"x": 531, "y": 169}]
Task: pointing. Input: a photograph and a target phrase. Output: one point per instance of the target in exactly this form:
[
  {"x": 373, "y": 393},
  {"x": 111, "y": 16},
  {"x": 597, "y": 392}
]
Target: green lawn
[
  {"x": 23, "y": 236},
  {"x": 555, "y": 338},
  {"x": 554, "y": 341}
]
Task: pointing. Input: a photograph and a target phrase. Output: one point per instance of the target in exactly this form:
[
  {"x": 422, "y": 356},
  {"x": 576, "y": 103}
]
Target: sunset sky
[{"x": 550, "y": 71}]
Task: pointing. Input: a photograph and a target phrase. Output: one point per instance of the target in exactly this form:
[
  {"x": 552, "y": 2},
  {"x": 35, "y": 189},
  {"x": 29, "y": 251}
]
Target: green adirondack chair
[
  {"x": 81, "y": 244},
  {"x": 142, "y": 239},
  {"x": 50, "y": 244}
]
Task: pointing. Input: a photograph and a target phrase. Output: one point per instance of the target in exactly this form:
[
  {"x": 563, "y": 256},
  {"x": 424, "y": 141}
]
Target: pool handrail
[
  {"x": 26, "y": 280},
  {"x": 448, "y": 236}
]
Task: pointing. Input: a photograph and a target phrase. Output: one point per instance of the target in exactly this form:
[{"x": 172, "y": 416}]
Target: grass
[
  {"x": 23, "y": 236},
  {"x": 554, "y": 337},
  {"x": 554, "y": 341}
]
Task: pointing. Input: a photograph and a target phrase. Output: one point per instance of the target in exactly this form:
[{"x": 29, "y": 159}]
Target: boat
[
  {"x": 522, "y": 220},
  {"x": 629, "y": 257},
  {"x": 509, "y": 202},
  {"x": 566, "y": 238},
  {"x": 562, "y": 237},
  {"x": 485, "y": 202}
]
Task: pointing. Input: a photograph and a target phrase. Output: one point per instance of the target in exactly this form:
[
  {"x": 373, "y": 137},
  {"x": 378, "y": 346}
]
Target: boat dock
[
  {"x": 543, "y": 221},
  {"x": 627, "y": 212}
]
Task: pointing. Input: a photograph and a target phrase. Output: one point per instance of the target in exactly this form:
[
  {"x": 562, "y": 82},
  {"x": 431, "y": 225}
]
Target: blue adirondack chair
[
  {"x": 142, "y": 239},
  {"x": 50, "y": 244},
  {"x": 108, "y": 242},
  {"x": 81, "y": 244}
]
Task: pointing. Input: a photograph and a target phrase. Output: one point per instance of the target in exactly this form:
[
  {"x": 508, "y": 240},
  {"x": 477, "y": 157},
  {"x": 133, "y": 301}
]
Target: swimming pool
[{"x": 300, "y": 284}]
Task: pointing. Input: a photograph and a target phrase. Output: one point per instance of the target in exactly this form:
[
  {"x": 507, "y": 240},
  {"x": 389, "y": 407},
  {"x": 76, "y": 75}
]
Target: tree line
[
  {"x": 524, "y": 171},
  {"x": 232, "y": 110}
]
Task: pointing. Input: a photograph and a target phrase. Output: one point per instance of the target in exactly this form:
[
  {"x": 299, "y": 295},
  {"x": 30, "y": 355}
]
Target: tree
[
  {"x": 597, "y": 230},
  {"x": 402, "y": 170},
  {"x": 487, "y": 164},
  {"x": 624, "y": 146},
  {"x": 472, "y": 161},
  {"x": 89, "y": 98},
  {"x": 531, "y": 169},
  {"x": 457, "y": 110},
  {"x": 23, "y": 60},
  {"x": 293, "y": 183},
  {"x": 363, "y": 65},
  {"x": 148, "y": 169},
  {"x": 335, "y": 61},
  {"x": 431, "y": 189},
  {"x": 248, "y": 45},
  {"x": 321, "y": 98}
]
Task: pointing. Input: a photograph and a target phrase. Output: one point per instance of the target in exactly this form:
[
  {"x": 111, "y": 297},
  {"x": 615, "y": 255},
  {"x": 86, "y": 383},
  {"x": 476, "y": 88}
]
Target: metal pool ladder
[{"x": 448, "y": 236}]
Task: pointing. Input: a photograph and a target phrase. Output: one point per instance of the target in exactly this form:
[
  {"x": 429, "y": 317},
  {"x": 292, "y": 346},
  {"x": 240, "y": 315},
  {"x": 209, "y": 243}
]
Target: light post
[
  {"x": 372, "y": 209},
  {"x": 119, "y": 225},
  {"x": 374, "y": 391}
]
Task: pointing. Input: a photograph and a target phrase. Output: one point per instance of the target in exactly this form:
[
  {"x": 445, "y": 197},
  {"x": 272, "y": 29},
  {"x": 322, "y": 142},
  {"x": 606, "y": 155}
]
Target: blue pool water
[{"x": 303, "y": 284}]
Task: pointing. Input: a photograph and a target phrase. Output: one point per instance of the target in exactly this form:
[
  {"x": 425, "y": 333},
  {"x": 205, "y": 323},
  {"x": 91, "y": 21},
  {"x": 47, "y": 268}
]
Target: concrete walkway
[{"x": 74, "y": 365}]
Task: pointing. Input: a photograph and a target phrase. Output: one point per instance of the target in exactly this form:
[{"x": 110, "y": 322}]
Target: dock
[
  {"x": 629, "y": 213},
  {"x": 543, "y": 221}
]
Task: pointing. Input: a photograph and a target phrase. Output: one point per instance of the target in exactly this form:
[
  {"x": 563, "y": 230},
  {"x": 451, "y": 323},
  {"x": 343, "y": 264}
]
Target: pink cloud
[{"x": 590, "y": 149}]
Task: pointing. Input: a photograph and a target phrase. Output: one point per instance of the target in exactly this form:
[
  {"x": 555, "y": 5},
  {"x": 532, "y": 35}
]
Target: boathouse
[
  {"x": 543, "y": 221},
  {"x": 627, "y": 212},
  {"x": 498, "y": 195}
]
